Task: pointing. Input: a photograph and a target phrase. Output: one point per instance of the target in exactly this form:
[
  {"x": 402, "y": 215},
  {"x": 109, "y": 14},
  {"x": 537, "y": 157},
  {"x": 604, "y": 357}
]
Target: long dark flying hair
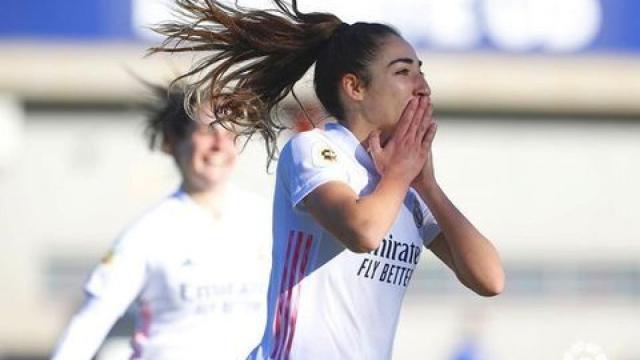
[{"x": 255, "y": 57}]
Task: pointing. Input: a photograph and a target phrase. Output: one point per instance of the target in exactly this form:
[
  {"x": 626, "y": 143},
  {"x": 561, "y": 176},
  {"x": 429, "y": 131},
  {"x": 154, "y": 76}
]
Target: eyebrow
[{"x": 404, "y": 60}]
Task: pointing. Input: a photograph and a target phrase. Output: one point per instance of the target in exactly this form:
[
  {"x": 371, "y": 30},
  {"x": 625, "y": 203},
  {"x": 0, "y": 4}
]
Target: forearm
[
  {"x": 477, "y": 263},
  {"x": 374, "y": 214},
  {"x": 358, "y": 222},
  {"x": 86, "y": 331}
]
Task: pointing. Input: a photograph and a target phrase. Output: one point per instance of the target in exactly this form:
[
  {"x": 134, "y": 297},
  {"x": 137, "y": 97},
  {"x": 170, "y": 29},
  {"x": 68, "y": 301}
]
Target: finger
[
  {"x": 429, "y": 112},
  {"x": 422, "y": 130},
  {"x": 425, "y": 122},
  {"x": 417, "y": 120},
  {"x": 375, "y": 150},
  {"x": 428, "y": 119},
  {"x": 429, "y": 135},
  {"x": 405, "y": 119},
  {"x": 374, "y": 143}
]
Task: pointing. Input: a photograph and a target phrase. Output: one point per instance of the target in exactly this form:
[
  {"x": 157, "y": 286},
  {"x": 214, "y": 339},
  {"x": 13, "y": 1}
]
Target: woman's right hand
[{"x": 405, "y": 153}]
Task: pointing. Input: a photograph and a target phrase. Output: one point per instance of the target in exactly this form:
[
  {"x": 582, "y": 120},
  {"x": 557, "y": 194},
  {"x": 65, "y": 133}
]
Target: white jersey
[
  {"x": 326, "y": 302},
  {"x": 199, "y": 283}
]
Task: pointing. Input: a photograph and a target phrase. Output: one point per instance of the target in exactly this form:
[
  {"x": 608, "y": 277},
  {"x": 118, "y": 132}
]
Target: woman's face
[
  {"x": 396, "y": 77},
  {"x": 207, "y": 157}
]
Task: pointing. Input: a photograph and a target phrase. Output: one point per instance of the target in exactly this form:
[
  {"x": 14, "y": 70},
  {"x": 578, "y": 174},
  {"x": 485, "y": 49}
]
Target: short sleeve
[
  {"x": 429, "y": 228},
  {"x": 310, "y": 162},
  {"x": 121, "y": 274}
]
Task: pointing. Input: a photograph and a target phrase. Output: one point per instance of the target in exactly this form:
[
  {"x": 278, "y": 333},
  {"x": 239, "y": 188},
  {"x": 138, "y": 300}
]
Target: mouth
[{"x": 215, "y": 160}]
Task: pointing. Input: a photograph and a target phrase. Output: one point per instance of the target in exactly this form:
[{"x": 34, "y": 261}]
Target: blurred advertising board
[{"x": 511, "y": 26}]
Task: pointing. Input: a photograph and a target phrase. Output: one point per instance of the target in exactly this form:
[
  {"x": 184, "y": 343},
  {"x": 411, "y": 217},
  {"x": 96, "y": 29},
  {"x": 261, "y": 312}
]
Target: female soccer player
[
  {"x": 356, "y": 202},
  {"x": 196, "y": 265}
]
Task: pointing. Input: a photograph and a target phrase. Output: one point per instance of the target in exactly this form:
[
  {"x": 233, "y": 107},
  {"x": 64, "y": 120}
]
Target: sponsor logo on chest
[{"x": 393, "y": 262}]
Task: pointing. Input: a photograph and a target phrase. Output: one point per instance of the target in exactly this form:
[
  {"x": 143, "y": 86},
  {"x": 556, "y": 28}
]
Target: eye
[{"x": 402, "y": 72}]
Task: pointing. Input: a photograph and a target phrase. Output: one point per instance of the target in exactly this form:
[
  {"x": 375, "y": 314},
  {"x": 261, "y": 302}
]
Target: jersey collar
[{"x": 350, "y": 143}]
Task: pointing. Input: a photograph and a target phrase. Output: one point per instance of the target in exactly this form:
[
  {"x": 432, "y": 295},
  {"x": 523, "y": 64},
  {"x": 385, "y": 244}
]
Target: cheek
[
  {"x": 232, "y": 156},
  {"x": 184, "y": 155},
  {"x": 230, "y": 148},
  {"x": 393, "y": 96},
  {"x": 395, "y": 104}
]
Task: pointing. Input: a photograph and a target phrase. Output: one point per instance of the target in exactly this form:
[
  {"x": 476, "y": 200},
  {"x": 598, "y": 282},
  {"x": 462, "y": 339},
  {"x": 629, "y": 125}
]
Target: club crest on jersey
[
  {"x": 107, "y": 259},
  {"x": 323, "y": 155},
  {"x": 418, "y": 217}
]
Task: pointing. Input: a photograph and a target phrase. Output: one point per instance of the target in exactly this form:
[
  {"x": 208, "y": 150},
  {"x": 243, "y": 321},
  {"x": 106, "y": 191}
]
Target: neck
[
  {"x": 211, "y": 199},
  {"x": 360, "y": 128}
]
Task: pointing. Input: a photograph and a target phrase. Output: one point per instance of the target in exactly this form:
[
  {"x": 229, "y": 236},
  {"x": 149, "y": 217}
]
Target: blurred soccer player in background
[{"x": 196, "y": 265}]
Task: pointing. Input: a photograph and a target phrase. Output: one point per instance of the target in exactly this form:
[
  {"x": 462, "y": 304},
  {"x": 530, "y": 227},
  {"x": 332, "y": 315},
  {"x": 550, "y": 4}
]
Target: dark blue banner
[
  {"x": 66, "y": 19},
  {"x": 515, "y": 26}
]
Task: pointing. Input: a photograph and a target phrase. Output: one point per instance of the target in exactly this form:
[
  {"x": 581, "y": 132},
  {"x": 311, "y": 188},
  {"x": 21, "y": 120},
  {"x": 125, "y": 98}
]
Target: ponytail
[{"x": 254, "y": 58}]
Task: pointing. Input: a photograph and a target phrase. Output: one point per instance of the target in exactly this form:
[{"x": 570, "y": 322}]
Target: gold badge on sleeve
[
  {"x": 323, "y": 155},
  {"x": 107, "y": 259}
]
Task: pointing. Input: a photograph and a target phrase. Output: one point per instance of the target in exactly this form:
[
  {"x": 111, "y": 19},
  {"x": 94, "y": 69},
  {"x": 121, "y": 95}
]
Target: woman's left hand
[{"x": 426, "y": 176}]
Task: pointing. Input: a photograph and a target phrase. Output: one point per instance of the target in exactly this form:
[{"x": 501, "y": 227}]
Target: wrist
[
  {"x": 427, "y": 187},
  {"x": 397, "y": 181}
]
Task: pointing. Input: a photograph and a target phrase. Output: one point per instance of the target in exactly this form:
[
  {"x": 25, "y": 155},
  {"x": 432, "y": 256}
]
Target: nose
[
  {"x": 219, "y": 135},
  {"x": 422, "y": 87}
]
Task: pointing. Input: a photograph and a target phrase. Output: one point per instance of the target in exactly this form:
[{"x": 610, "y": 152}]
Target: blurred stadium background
[{"x": 539, "y": 143}]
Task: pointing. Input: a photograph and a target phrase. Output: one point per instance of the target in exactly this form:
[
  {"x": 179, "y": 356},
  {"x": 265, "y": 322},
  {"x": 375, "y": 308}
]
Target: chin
[
  {"x": 219, "y": 174},
  {"x": 214, "y": 178}
]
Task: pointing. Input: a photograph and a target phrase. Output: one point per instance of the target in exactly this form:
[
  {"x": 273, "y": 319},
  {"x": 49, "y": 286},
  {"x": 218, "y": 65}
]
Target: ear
[{"x": 352, "y": 86}]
